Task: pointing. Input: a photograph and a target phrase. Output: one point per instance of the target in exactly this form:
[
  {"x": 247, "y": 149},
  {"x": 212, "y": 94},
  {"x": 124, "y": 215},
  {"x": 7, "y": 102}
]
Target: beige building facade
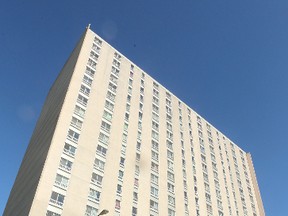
[{"x": 111, "y": 137}]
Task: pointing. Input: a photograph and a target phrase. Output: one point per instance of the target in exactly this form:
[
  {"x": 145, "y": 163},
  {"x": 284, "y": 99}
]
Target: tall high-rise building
[{"x": 111, "y": 137}]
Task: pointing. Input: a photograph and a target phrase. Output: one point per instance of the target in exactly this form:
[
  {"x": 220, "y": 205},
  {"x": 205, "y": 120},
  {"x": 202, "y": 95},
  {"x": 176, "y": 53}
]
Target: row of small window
[
  {"x": 183, "y": 162},
  {"x": 154, "y": 166},
  {"x": 66, "y": 165}
]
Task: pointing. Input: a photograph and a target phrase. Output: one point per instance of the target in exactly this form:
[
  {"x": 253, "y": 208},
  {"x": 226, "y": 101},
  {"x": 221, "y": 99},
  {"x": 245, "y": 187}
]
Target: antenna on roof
[{"x": 88, "y": 27}]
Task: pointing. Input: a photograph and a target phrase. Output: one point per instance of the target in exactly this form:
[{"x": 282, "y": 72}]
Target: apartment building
[{"x": 111, "y": 137}]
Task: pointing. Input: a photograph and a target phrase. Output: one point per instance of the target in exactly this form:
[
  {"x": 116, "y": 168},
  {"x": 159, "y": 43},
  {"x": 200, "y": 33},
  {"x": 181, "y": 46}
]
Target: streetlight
[{"x": 103, "y": 212}]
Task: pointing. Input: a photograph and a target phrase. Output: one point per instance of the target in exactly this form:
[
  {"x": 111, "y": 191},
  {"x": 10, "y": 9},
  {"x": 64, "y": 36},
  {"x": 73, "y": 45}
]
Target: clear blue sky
[{"x": 227, "y": 59}]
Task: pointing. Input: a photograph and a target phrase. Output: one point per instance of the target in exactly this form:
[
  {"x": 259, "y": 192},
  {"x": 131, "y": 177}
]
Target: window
[
  {"x": 117, "y": 56},
  {"x": 96, "y": 179},
  {"x": 138, "y": 146},
  {"x": 170, "y": 165},
  {"x": 185, "y": 185},
  {"x": 87, "y": 80},
  {"x": 107, "y": 115},
  {"x": 137, "y": 157},
  {"x": 209, "y": 133},
  {"x": 131, "y": 74},
  {"x": 110, "y": 96},
  {"x": 168, "y": 118},
  {"x": 136, "y": 182},
  {"x": 170, "y": 187},
  {"x": 169, "y": 135},
  {"x": 213, "y": 158},
  {"x": 130, "y": 82},
  {"x": 90, "y": 72},
  {"x": 154, "y": 178},
  {"x": 155, "y": 145},
  {"x": 140, "y": 115},
  {"x": 90, "y": 211},
  {"x": 137, "y": 169},
  {"x": 122, "y": 161},
  {"x": 171, "y": 212},
  {"x": 116, "y": 63},
  {"x": 109, "y": 105},
  {"x": 208, "y": 197},
  {"x": 72, "y": 135},
  {"x": 57, "y": 199},
  {"x": 154, "y": 155},
  {"x": 127, "y": 116},
  {"x": 115, "y": 71},
  {"x": 141, "y": 88},
  {"x": 154, "y": 191},
  {"x": 101, "y": 150},
  {"x": 207, "y": 188},
  {"x": 205, "y": 176},
  {"x": 155, "y": 135},
  {"x": 209, "y": 208},
  {"x": 94, "y": 195},
  {"x": 50, "y": 213},
  {"x": 113, "y": 79},
  {"x": 120, "y": 174},
  {"x": 112, "y": 87},
  {"x": 155, "y": 100},
  {"x": 139, "y": 134},
  {"x": 169, "y": 144},
  {"x": 82, "y": 100},
  {"x": 170, "y": 176},
  {"x": 215, "y": 174},
  {"x": 154, "y": 167},
  {"x": 103, "y": 138},
  {"x": 141, "y": 107},
  {"x": 61, "y": 181},
  {"x": 155, "y": 108},
  {"x": 69, "y": 149},
  {"x": 219, "y": 204},
  {"x": 171, "y": 200},
  {"x": 134, "y": 211},
  {"x": 119, "y": 189},
  {"x": 76, "y": 123},
  {"x": 168, "y": 95},
  {"x": 125, "y": 126},
  {"x": 153, "y": 205},
  {"x": 117, "y": 204},
  {"x": 170, "y": 155},
  {"x": 65, "y": 164},
  {"x": 94, "y": 56},
  {"x": 168, "y": 103},
  {"x": 202, "y": 149},
  {"x": 169, "y": 126},
  {"x": 97, "y": 41},
  {"x": 85, "y": 90},
  {"x": 155, "y": 85},
  {"x": 204, "y": 168},
  {"x": 105, "y": 126},
  {"x": 79, "y": 111},
  {"x": 217, "y": 185},
  {"x": 155, "y": 117},
  {"x": 99, "y": 164},
  {"x": 200, "y": 133},
  {"x": 135, "y": 196},
  {"x": 155, "y": 126},
  {"x": 91, "y": 63},
  {"x": 203, "y": 158},
  {"x": 184, "y": 173}
]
